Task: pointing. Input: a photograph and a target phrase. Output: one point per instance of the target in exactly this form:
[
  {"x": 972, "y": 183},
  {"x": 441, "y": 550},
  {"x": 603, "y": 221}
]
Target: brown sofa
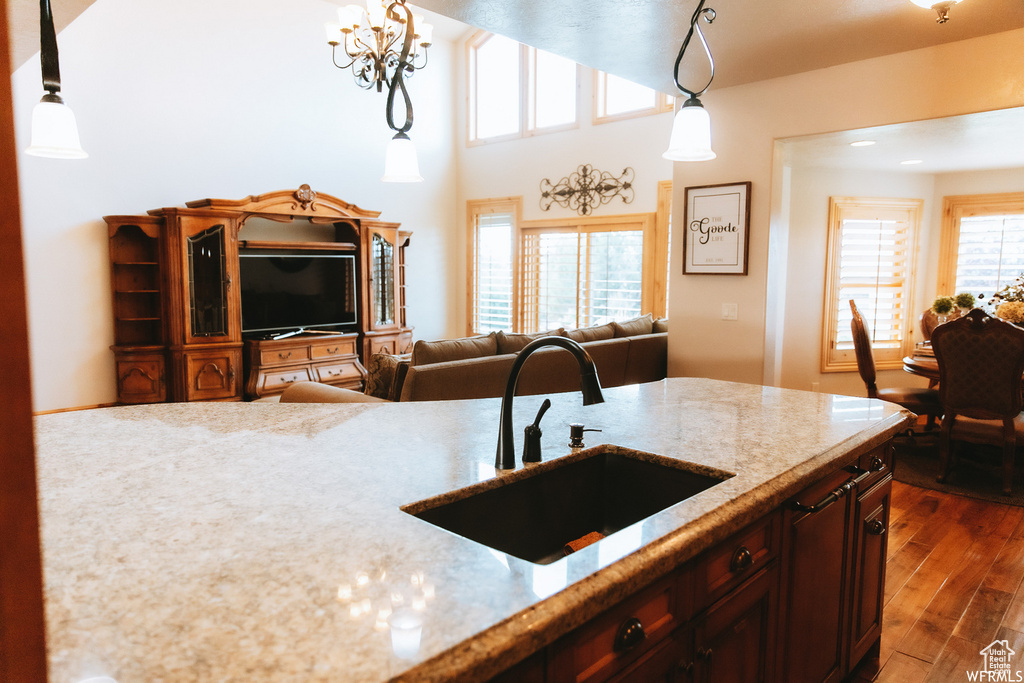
[
  {"x": 630, "y": 352},
  {"x": 478, "y": 367}
]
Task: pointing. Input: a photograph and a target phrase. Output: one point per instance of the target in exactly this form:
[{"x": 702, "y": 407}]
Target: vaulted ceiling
[{"x": 751, "y": 40}]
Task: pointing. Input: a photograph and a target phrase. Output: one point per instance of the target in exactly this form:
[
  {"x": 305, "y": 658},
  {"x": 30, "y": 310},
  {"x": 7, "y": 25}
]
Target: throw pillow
[
  {"x": 509, "y": 342},
  {"x": 630, "y": 328},
  {"x": 589, "y": 334},
  {"x": 660, "y": 325},
  {"x": 426, "y": 352}
]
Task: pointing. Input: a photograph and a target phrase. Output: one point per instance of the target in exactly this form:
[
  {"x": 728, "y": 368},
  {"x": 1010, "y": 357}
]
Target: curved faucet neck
[{"x": 590, "y": 385}]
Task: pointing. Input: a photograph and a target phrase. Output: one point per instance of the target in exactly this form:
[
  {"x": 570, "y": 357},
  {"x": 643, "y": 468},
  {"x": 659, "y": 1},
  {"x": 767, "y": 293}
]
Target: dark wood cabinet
[
  {"x": 835, "y": 571},
  {"x": 795, "y": 596},
  {"x": 177, "y": 304}
]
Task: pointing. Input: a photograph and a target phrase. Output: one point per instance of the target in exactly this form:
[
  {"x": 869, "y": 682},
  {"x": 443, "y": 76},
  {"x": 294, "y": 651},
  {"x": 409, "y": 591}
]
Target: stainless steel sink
[{"x": 532, "y": 514}]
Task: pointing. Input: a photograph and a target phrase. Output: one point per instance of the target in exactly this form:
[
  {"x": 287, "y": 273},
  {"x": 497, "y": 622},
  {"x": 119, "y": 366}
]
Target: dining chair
[
  {"x": 918, "y": 400},
  {"x": 981, "y": 362}
]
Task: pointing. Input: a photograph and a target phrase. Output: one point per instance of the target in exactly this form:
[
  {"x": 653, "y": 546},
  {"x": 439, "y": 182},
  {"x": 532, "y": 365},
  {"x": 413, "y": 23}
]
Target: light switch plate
[{"x": 730, "y": 312}]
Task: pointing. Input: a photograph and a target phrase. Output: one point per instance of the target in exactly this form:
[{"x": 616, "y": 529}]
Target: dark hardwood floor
[{"x": 953, "y": 586}]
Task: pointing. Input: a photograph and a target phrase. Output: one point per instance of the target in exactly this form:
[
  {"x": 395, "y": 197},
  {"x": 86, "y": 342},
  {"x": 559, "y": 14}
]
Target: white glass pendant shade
[
  {"x": 348, "y": 16},
  {"x": 400, "y": 162},
  {"x": 691, "y": 134},
  {"x": 54, "y": 132},
  {"x": 426, "y": 33}
]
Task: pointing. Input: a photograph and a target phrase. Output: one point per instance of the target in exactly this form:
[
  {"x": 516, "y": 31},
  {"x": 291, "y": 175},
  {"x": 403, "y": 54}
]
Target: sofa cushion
[
  {"x": 588, "y": 334},
  {"x": 509, "y": 342},
  {"x": 482, "y": 377},
  {"x": 381, "y": 375},
  {"x": 660, "y": 325},
  {"x": 426, "y": 352},
  {"x": 555, "y": 370},
  {"x": 629, "y": 328}
]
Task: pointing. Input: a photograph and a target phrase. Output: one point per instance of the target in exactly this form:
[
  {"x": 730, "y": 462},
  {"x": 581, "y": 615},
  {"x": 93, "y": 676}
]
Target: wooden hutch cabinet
[{"x": 181, "y": 327}]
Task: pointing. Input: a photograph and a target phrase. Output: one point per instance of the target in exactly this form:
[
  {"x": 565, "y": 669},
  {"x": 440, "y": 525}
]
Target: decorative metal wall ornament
[{"x": 587, "y": 188}]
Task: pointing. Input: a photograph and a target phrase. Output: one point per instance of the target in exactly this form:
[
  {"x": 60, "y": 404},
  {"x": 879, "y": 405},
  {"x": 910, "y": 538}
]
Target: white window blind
[
  {"x": 578, "y": 278},
  {"x": 871, "y": 257},
  {"x": 492, "y": 272},
  {"x": 990, "y": 253}
]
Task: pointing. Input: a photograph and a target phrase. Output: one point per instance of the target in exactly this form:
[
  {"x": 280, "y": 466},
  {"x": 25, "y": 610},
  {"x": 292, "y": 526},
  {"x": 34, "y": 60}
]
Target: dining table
[{"x": 923, "y": 366}]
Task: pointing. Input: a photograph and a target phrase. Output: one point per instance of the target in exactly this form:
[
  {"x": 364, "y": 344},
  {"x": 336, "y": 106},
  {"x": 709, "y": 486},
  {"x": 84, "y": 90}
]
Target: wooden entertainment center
[{"x": 177, "y": 297}]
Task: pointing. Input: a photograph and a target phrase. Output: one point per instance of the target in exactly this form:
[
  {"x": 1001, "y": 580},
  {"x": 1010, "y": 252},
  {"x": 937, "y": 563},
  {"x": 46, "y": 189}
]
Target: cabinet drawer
[
  {"x": 870, "y": 459},
  {"x": 276, "y": 381},
  {"x": 294, "y": 354},
  {"x": 334, "y": 373},
  {"x": 736, "y": 559},
  {"x": 334, "y": 349},
  {"x": 599, "y": 649}
]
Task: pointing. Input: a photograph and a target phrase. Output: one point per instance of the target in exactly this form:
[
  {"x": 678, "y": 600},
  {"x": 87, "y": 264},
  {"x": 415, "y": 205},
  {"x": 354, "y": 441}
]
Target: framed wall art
[{"x": 717, "y": 228}]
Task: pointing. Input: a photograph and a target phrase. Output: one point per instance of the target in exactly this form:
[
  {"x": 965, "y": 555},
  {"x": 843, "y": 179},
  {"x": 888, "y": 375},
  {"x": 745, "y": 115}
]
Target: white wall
[
  {"x": 746, "y": 120},
  {"x": 189, "y": 99}
]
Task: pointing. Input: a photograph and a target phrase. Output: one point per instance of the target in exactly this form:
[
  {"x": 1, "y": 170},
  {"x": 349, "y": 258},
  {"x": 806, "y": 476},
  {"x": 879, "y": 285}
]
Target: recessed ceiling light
[
  {"x": 862, "y": 143},
  {"x": 911, "y": 162}
]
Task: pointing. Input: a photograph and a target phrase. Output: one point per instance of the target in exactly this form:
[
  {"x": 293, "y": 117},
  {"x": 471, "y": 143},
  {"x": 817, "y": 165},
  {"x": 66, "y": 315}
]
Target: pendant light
[
  {"x": 691, "y": 127},
  {"x": 54, "y": 131}
]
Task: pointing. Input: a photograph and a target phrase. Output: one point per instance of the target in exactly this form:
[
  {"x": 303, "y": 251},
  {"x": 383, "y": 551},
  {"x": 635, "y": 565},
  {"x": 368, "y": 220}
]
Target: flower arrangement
[
  {"x": 1011, "y": 311},
  {"x": 1011, "y": 292}
]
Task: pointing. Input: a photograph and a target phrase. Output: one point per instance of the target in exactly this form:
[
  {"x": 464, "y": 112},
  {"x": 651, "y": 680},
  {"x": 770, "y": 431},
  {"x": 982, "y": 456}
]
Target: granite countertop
[{"x": 264, "y": 542}]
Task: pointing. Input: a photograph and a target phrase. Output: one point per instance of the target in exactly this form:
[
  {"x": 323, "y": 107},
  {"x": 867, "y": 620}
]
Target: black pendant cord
[
  {"x": 709, "y": 16},
  {"x": 48, "y": 52},
  {"x": 397, "y": 81}
]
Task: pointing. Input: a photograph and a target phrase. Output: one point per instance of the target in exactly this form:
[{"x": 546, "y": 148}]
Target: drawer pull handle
[
  {"x": 704, "y": 654},
  {"x": 686, "y": 668},
  {"x": 851, "y": 484},
  {"x": 332, "y": 351},
  {"x": 741, "y": 560},
  {"x": 631, "y": 633},
  {"x": 284, "y": 356},
  {"x": 875, "y": 527}
]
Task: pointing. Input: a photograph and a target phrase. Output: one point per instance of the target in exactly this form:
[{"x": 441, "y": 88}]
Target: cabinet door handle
[
  {"x": 741, "y": 560},
  {"x": 876, "y": 466},
  {"x": 875, "y": 527},
  {"x": 704, "y": 654},
  {"x": 631, "y": 633},
  {"x": 686, "y": 668}
]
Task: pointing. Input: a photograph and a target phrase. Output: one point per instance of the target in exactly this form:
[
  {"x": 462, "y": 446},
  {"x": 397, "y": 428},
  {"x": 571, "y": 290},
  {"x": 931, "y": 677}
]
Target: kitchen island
[{"x": 265, "y": 542}]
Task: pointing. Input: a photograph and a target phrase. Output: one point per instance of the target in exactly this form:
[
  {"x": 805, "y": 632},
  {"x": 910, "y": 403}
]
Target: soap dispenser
[{"x": 576, "y": 436}]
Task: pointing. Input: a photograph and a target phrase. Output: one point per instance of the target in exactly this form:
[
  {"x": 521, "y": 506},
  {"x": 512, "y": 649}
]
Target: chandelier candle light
[
  {"x": 54, "y": 131},
  {"x": 691, "y": 128},
  {"x": 384, "y": 44}
]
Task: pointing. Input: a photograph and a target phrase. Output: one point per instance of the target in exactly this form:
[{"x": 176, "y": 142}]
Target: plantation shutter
[
  {"x": 492, "y": 273},
  {"x": 578, "y": 277},
  {"x": 871, "y": 258},
  {"x": 990, "y": 253}
]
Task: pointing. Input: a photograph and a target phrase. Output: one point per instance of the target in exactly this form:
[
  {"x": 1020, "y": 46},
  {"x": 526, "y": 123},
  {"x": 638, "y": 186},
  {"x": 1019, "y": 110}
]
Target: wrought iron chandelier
[
  {"x": 691, "y": 128},
  {"x": 385, "y": 43},
  {"x": 373, "y": 39}
]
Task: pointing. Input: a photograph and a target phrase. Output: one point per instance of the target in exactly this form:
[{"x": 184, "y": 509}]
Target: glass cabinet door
[
  {"x": 383, "y": 258},
  {"x": 207, "y": 283}
]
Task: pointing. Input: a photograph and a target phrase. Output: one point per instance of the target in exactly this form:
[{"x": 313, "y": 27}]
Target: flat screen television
[{"x": 283, "y": 291}]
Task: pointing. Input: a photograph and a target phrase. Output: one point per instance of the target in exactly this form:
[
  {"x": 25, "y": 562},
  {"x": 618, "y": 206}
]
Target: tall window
[
  {"x": 493, "y": 237},
  {"x": 572, "y": 272},
  {"x": 517, "y": 90},
  {"x": 616, "y": 98},
  {"x": 870, "y": 260},
  {"x": 982, "y": 242}
]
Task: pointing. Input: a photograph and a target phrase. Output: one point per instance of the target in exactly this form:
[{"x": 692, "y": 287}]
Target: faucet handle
[{"x": 532, "y": 434}]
